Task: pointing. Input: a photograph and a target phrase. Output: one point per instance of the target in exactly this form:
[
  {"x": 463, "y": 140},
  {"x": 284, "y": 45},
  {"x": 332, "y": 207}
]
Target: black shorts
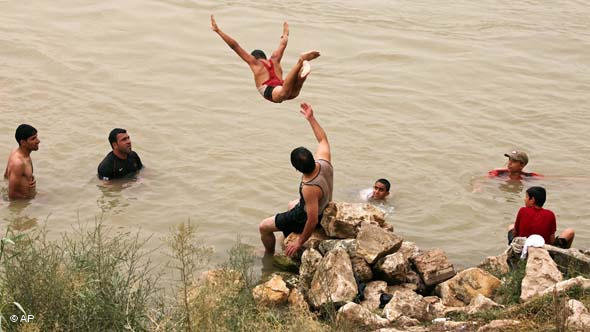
[
  {"x": 558, "y": 242},
  {"x": 292, "y": 221},
  {"x": 268, "y": 92}
]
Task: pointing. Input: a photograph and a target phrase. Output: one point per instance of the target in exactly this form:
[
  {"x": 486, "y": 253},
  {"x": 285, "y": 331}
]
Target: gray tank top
[{"x": 324, "y": 180}]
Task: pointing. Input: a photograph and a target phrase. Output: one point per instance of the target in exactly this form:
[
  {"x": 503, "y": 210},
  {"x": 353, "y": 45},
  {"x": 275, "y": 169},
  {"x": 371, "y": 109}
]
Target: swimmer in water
[
  {"x": 268, "y": 73},
  {"x": 19, "y": 169},
  {"x": 517, "y": 160}
]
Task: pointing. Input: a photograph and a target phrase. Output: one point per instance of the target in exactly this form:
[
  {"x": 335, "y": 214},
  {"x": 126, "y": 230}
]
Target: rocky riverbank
[{"x": 356, "y": 264}]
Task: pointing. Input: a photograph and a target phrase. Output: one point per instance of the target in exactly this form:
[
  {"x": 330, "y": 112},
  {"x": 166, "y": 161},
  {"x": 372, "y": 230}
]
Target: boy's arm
[
  {"x": 323, "y": 149},
  {"x": 277, "y": 55},
  {"x": 16, "y": 174},
  {"x": 247, "y": 57}
]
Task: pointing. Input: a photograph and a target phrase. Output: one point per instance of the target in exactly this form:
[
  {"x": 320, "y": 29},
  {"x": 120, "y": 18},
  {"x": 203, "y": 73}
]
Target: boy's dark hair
[
  {"x": 386, "y": 183},
  {"x": 258, "y": 54},
  {"x": 302, "y": 160},
  {"x": 539, "y": 194},
  {"x": 113, "y": 135},
  {"x": 23, "y": 132}
]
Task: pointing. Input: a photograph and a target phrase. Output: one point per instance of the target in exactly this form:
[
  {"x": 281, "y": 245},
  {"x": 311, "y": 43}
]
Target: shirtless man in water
[
  {"x": 268, "y": 74},
  {"x": 19, "y": 170}
]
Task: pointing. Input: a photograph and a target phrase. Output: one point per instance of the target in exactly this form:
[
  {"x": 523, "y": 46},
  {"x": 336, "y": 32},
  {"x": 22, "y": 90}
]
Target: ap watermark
[{"x": 22, "y": 318}]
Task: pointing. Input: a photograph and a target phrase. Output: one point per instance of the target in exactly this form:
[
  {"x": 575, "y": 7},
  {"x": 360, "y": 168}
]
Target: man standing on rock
[{"x": 315, "y": 192}]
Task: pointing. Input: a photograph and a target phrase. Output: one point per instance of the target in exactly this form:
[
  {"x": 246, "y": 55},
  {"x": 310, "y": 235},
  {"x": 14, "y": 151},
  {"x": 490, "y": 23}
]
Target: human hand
[
  {"x": 292, "y": 248},
  {"x": 285, "y": 30},
  {"x": 214, "y": 26},
  {"x": 306, "y": 110}
]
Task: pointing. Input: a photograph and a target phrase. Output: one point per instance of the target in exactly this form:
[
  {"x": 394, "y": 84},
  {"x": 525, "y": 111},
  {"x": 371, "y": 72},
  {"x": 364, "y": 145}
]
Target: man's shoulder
[{"x": 110, "y": 157}]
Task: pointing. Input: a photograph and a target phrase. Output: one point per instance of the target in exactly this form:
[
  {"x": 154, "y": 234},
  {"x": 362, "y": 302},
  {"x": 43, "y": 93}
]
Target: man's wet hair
[
  {"x": 258, "y": 54},
  {"x": 385, "y": 183},
  {"x": 302, "y": 160},
  {"x": 113, "y": 135},
  {"x": 539, "y": 194},
  {"x": 23, "y": 132}
]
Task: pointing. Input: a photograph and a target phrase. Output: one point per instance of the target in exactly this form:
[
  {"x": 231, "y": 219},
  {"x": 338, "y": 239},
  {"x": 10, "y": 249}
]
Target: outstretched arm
[
  {"x": 323, "y": 150},
  {"x": 232, "y": 43},
  {"x": 278, "y": 54}
]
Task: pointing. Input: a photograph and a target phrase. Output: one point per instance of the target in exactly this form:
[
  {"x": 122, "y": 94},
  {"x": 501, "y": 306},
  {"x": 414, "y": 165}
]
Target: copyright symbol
[{"x": 13, "y": 318}]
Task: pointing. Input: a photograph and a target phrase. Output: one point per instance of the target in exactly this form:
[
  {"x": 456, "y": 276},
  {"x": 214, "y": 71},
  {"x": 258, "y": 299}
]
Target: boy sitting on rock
[{"x": 533, "y": 219}]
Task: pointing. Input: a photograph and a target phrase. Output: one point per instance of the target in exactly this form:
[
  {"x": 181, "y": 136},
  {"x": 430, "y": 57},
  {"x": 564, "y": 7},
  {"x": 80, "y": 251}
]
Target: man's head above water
[
  {"x": 120, "y": 141},
  {"x": 381, "y": 189}
]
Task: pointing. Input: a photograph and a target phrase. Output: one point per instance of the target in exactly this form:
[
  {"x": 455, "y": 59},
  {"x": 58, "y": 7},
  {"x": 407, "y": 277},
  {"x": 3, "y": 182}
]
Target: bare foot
[
  {"x": 305, "y": 69},
  {"x": 310, "y": 55}
]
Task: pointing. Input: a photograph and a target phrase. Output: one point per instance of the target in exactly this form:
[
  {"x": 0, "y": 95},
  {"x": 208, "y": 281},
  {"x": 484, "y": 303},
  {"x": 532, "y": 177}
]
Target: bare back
[{"x": 19, "y": 173}]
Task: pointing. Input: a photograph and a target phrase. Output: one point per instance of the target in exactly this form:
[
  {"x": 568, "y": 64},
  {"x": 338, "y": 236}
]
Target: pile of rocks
[{"x": 357, "y": 263}]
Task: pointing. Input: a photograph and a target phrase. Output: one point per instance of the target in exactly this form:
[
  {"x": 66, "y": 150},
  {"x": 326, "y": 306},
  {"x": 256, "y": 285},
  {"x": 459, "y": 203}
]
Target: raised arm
[
  {"x": 323, "y": 149},
  {"x": 233, "y": 44},
  {"x": 278, "y": 54}
]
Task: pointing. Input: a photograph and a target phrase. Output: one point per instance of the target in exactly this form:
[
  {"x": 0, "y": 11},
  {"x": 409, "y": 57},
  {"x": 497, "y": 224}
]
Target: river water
[{"x": 426, "y": 93}]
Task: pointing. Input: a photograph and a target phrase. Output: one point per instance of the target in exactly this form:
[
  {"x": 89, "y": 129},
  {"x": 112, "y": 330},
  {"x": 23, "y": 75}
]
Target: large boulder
[
  {"x": 342, "y": 220},
  {"x": 309, "y": 263},
  {"x": 361, "y": 269},
  {"x": 406, "y": 303},
  {"x": 360, "y": 317},
  {"x": 579, "y": 318},
  {"x": 565, "y": 285},
  {"x": 392, "y": 268},
  {"x": 541, "y": 273},
  {"x": 433, "y": 266},
  {"x": 569, "y": 259},
  {"x": 412, "y": 277},
  {"x": 373, "y": 242},
  {"x": 496, "y": 265},
  {"x": 272, "y": 293},
  {"x": 466, "y": 285},
  {"x": 285, "y": 263},
  {"x": 372, "y": 294},
  {"x": 333, "y": 280},
  {"x": 409, "y": 249}
]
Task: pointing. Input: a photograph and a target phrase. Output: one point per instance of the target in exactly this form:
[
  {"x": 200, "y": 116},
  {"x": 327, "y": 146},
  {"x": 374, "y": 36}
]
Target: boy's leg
[
  {"x": 281, "y": 93},
  {"x": 568, "y": 235},
  {"x": 267, "y": 228}
]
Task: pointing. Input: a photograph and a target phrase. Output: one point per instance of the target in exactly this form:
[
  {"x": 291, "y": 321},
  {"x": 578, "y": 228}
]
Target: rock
[
  {"x": 359, "y": 316},
  {"x": 373, "y": 242},
  {"x": 569, "y": 259},
  {"x": 317, "y": 236},
  {"x": 412, "y": 277},
  {"x": 405, "y": 322},
  {"x": 433, "y": 266},
  {"x": 449, "y": 325},
  {"x": 481, "y": 303},
  {"x": 541, "y": 273},
  {"x": 296, "y": 300},
  {"x": 220, "y": 277},
  {"x": 435, "y": 307},
  {"x": 333, "y": 280},
  {"x": 309, "y": 262},
  {"x": 372, "y": 293},
  {"x": 404, "y": 329},
  {"x": 290, "y": 279},
  {"x": 579, "y": 319},
  {"x": 499, "y": 325},
  {"x": 402, "y": 287},
  {"x": 515, "y": 250},
  {"x": 361, "y": 269},
  {"x": 285, "y": 263},
  {"x": 349, "y": 245},
  {"x": 409, "y": 250},
  {"x": 406, "y": 303},
  {"x": 387, "y": 227},
  {"x": 272, "y": 293},
  {"x": 392, "y": 268},
  {"x": 567, "y": 284},
  {"x": 342, "y": 220},
  {"x": 496, "y": 265},
  {"x": 466, "y": 285}
]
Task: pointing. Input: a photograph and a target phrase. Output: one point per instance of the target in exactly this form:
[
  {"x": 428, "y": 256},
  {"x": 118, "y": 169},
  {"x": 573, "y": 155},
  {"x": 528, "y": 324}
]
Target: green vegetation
[{"x": 95, "y": 279}]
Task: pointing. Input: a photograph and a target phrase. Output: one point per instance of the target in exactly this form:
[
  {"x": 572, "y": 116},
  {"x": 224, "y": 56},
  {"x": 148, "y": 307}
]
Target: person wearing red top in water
[
  {"x": 268, "y": 73},
  {"x": 517, "y": 160},
  {"x": 533, "y": 219}
]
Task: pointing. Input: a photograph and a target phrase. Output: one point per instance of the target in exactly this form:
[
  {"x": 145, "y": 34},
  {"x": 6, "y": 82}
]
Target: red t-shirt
[
  {"x": 535, "y": 220},
  {"x": 504, "y": 171}
]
